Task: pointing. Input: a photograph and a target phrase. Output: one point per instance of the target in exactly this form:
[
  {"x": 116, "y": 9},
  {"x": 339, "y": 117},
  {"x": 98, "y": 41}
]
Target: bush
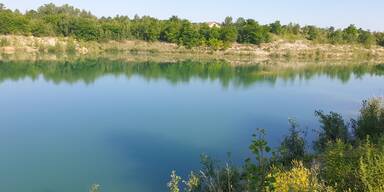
[
  {"x": 215, "y": 44},
  {"x": 256, "y": 174},
  {"x": 211, "y": 178},
  {"x": 332, "y": 128},
  {"x": 293, "y": 145},
  {"x": 298, "y": 178},
  {"x": 380, "y": 39},
  {"x": 339, "y": 167},
  {"x": 370, "y": 121},
  {"x": 371, "y": 167},
  {"x": 367, "y": 38}
]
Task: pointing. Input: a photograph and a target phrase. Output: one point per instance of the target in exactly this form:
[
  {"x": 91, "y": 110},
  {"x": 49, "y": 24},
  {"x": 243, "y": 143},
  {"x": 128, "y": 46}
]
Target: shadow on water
[{"x": 89, "y": 70}]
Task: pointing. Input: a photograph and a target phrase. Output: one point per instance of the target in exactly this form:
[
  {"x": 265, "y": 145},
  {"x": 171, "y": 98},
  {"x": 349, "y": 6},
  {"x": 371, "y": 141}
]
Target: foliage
[
  {"x": 173, "y": 184},
  {"x": 249, "y": 31},
  {"x": 340, "y": 165},
  {"x": 380, "y": 39},
  {"x": 370, "y": 121},
  {"x": 351, "y": 34},
  {"x": 211, "y": 178},
  {"x": 276, "y": 28},
  {"x": 256, "y": 174},
  {"x": 366, "y": 38},
  {"x": 335, "y": 36},
  {"x": 293, "y": 145},
  {"x": 332, "y": 128},
  {"x": 193, "y": 182},
  {"x": 68, "y": 21},
  {"x": 371, "y": 167},
  {"x": 215, "y": 178},
  {"x": 189, "y": 35},
  {"x": 298, "y": 178}
]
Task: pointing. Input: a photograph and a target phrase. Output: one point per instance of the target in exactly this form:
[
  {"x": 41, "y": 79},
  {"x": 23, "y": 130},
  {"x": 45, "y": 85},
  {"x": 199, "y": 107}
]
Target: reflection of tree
[{"x": 88, "y": 70}]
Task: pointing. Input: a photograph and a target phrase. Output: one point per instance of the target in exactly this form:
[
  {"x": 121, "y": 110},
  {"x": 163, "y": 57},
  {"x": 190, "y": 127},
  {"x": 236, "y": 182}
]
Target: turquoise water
[{"x": 65, "y": 126}]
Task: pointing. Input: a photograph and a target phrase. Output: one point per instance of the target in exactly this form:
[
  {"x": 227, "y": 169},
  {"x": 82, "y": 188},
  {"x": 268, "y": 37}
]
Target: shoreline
[{"x": 54, "y": 48}]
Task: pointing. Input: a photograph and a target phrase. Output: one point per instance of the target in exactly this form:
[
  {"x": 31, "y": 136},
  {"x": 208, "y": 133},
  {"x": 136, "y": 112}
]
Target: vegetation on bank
[
  {"x": 347, "y": 156},
  {"x": 67, "y": 21}
]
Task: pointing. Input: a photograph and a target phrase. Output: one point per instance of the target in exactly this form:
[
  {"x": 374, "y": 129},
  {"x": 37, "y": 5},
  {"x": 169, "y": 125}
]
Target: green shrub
[
  {"x": 215, "y": 44},
  {"x": 340, "y": 166},
  {"x": 370, "y": 121},
  {"x": 371, "y": 167},
  {"x": 173, "y": 184},
  {"x": 332, "y": 128},
  {"x": 293, "y": 145}
]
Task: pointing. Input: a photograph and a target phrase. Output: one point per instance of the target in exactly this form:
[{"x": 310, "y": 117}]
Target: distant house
[{"x": 213, "y": 24}]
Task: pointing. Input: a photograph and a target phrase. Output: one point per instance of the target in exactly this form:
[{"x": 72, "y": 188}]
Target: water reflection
[{"x": 89, "y": 70}]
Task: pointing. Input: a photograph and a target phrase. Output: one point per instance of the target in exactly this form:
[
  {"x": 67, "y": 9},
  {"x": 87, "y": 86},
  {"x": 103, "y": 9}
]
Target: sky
[{"x": 368, "y": 14}]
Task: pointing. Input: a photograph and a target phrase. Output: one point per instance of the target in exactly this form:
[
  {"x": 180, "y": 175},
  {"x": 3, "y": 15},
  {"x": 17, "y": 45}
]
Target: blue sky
[{"x": 368, "y": 14}]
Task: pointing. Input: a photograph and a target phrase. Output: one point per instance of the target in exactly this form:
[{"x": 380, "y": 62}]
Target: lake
[{"x": 67, "y": 125}]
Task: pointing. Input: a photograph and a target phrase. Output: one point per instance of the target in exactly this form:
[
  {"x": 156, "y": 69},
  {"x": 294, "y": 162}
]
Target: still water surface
[{"x": 65, "y": 126}]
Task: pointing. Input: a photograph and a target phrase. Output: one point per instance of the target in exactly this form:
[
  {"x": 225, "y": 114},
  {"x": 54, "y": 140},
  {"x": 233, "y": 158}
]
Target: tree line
[{"x": 68, "y": 21}]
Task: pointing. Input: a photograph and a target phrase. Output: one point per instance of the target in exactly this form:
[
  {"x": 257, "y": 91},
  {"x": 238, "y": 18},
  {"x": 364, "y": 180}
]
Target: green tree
[
  {"x": 86, "y": 29},
  {"x": 370, "y": 121},
  {"x": 311, "y": 32},
  {"x": 189, "y": 35},
  {"x": 39, "y": 28},
  {"x": 366, "y": 38},
  {"x": 332, "y": 128},
  {"x": 335, "y": 36},
  {"x": 171, "y": 30},
  {"x": 256, "y": 175},
  {"x": 351, "y": 34},
  {"x": 276, "y": 28},
  {"x": 293, "y": 145},
  {"x": 228, "y": 32},
  {"x": 380, "y": 39},
  {"x": 250, "y": 31},
  {"x": 340, "y": 162},
  {"x": 146, "y": 28}
]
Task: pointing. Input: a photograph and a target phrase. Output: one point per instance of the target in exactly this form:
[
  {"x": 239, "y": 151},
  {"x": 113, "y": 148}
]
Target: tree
[
  {"x": 86, "y": 29},
  {"x": 311, "y": 32},
  {"x": 350, "y": 34},
  {"x": 380, "y": 38},
  {"x": 335, "y": 36},
  {"x": 370, "y": 121},
  {"x": 147, "y": 28},
  {"x": 171, "y": 30},
  {"x": 276, "y": 28},
  {"x": 39, "y": 28},
  {"x": 332, "y": 128},
  {"x": 293, "y": 145},
  {"x": 250, "y": 31},
  {"x": 189, "y": 35},
  {"x": 366, "y": 38}
]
